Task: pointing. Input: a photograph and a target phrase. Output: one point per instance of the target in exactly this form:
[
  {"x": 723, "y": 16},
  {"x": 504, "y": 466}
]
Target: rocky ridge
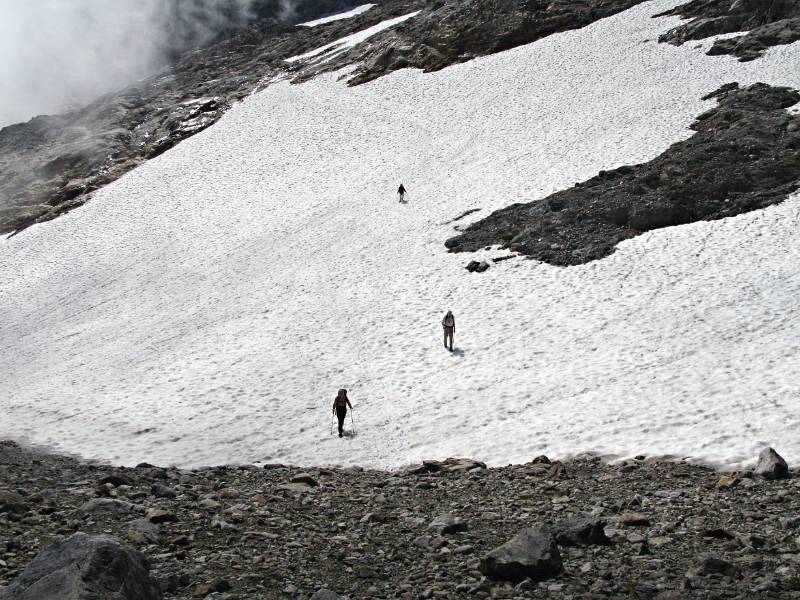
[
  {"x": 643, "y": 528},
  {"x": 765, "y": 24},
  {"x": 743, "y": 156}
]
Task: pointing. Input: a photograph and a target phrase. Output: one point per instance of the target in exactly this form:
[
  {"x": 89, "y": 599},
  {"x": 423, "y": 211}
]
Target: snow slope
[
  {"x": 205, "y": 307},
  {"x": 345, "y": 14}
]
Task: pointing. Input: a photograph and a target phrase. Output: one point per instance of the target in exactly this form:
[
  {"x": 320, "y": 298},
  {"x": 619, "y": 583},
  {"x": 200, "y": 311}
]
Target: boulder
[
  {"x": 634, "y": 520},
  {"x": 710, "y": 564},
  {"x": 451, "y": 465},
  {"x": 771, "y": 465},
  {"x": 304, "y": 478},
  {"x": 581, "y": 529},
  {"x": 11, "y": 502},
  {"x": 84, "y": 567},
  {"x": 106, "y": 507},
  {"x": 324, "y": 594},
  {"x": 531, "y": 553},
  {"x": 162, "y": 491},
  {"x": 448, "y": 523}
]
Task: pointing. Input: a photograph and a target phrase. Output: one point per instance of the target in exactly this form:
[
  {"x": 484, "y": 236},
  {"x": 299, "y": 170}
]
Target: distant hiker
[
  {"x": 449, "y": 324},
  {"x": 401, "y": 192},
  {"x": 340, "y": 404}
]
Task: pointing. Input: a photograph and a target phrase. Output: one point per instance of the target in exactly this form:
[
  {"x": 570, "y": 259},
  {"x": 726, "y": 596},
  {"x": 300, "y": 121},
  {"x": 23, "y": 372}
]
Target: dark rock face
[
  {"x": 743, "y": 157},
  {"x": 84, "y": 567},
  {"x": 52, "y": 164},
  {"x": 771, "y": 465},
  {"x": 453, "y": 32},
  {"x": 531, "y": 553},
  {"x": 767, "y": 24}
]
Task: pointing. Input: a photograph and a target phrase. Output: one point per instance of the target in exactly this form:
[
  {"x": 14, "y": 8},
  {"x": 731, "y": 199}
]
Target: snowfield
[{"x": 206, "y": 307}]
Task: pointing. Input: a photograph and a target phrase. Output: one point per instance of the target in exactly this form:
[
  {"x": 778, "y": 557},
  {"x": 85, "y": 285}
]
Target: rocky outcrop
[
  {"x": 454, "y": 32},
  {"x": 745, "y": 155},
  {"x": 84, "y": 567},
  {"x": 766, "y": 24}
]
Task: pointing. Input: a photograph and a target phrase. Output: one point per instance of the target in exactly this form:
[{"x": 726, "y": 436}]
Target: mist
[{"x": 56, "y": 55}]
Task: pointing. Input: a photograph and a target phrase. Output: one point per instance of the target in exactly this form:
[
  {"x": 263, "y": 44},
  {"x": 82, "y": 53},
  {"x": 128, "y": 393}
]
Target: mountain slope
[{"x": 205, "y": 307}]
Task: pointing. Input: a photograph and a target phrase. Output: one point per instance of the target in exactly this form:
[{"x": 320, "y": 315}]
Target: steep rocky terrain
[
  {"x": 763, "y": 24},
  {"x": 644, "y": 528},
  {"x": 743, "y": 156},
  {"x": 52, "y": 164}
]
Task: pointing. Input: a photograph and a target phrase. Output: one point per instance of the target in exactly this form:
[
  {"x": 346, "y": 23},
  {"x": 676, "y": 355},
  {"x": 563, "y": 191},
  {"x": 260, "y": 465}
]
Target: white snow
[
  {"x": 206, "y": 307},
  {"x": 328, "y": 51},
  {"x": 345, "y": 14}
]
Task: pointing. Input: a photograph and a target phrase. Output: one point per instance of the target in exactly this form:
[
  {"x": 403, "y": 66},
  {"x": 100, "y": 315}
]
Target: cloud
[{"x": 60, "y": 54}]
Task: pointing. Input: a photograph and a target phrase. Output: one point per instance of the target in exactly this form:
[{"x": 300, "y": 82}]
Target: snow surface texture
[
  {"x": 346, "y": 14},
  {"x": 206, "y": 307},
  {"x": 328, "y": 51}
]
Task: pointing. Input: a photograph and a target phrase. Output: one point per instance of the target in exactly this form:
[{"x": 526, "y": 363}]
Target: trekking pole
[
  {"x": 331, "y": 433},
  {"x": 352, "y": 422}
]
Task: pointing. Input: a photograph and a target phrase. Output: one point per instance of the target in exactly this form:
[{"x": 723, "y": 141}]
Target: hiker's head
[
  {"x": 449, "y": 313},
  {"x": 342, "y": 393}
]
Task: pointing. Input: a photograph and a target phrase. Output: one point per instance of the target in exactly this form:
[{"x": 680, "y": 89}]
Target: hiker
[
  {"x": 340, "y": 404},
  {"x": 449, "y": 325},
  {"x": 401, "y": 191}
]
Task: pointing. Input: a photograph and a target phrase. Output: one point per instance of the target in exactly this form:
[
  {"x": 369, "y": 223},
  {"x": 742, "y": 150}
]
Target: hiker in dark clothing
[
  {"x": 340, "y": 404},
  {"x": 401, "y": 191},
  {"x": 449, "y": 325}
]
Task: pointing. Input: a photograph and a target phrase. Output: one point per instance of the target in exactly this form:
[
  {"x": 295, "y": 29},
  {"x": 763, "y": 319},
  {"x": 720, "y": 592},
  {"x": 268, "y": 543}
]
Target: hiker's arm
[{"x": 350, "y": 405}]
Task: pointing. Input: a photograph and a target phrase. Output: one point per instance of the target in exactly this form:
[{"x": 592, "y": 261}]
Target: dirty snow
[{"x": 206, "y": 307}]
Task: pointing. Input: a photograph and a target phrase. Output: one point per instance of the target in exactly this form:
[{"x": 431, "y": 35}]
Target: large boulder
[
  {"x": 581, "y": 529},
  {"x": 771, "y": 465},
  {"x": 531, "y": 553},
  {"x": 84, "y": 567}
]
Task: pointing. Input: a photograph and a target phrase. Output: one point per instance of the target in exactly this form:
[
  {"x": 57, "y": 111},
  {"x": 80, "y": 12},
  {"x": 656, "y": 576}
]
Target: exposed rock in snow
[
  {"x": 764, "y": 24},
  {"x": 745, "y": 155}
]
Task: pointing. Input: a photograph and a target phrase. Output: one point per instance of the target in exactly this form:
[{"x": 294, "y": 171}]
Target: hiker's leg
[
  {"x": 445, "y": 337},
  {"x": 341, "y": 415}
]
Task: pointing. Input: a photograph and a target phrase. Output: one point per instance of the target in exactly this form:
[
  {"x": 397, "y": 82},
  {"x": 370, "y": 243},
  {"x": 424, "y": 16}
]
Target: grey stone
[
  {"x": 11, "y": 502},
  {"x": 771, "y": 465},
  {"x": 304, "y": 478},
  {"x": 581, "y": 529},
  {"x": 710, "y": 564},
  {"x": 84, "y": 567},
  {"x": 106, "y": 507},
  {"x": 324, "y": 594},
  {"x": 531, "y": 553},
  {"x": 448, "y": 523}
]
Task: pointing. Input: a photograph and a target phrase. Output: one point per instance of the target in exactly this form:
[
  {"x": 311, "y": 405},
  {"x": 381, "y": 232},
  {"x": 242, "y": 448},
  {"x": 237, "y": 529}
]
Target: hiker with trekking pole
[{"x": 340, "y": 404}]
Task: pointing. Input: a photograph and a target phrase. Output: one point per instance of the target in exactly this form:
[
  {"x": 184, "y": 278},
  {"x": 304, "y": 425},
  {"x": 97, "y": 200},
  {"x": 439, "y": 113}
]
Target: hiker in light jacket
[{"x": 449, "y": 325}]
